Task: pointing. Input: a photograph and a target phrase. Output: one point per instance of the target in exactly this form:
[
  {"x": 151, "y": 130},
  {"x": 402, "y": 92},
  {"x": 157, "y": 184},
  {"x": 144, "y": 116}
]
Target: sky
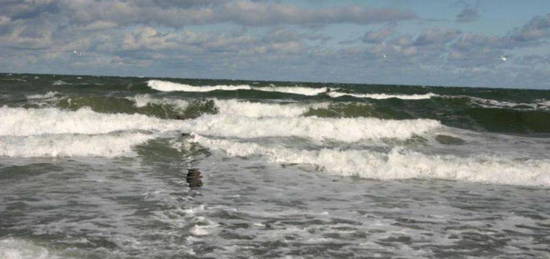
[{"x": 490, "y": 43}]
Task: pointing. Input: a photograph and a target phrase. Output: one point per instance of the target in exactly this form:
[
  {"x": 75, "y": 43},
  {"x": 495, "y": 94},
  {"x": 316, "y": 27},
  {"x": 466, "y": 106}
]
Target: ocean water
[{"x": 96, "y": 167}]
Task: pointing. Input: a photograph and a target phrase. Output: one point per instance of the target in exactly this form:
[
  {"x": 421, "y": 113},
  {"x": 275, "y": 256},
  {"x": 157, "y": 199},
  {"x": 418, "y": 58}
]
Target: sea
[{"x": 99, "y": 167}]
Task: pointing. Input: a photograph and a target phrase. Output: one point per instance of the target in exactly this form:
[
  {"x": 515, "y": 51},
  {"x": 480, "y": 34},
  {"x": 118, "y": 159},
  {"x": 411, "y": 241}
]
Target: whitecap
[
  {"x": 315, "y": 128},
  {"x": 396, "y": 164},
  {"x": 166, "y": 86},
  {"x": 26, "y": 122},
  {"x": 71, "y": 145},
  {"x": 384, "y": 96}
]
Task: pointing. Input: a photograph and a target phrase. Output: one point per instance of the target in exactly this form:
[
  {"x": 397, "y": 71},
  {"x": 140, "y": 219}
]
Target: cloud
[
  {"x": 259, "y": 13},
  {"x": 4, "y": 20},
  {"x": 379, "y": 35},
  {"x": 436, "y": 36},
  {"x": 148, "y": 38},
  {"x": 26, "y": 36},
  {"x": 467, "y": 15},
  {"x": 242, "y": 12},
  {"x": 261, "y": 39},
  {"x": 536, "y": 29}
]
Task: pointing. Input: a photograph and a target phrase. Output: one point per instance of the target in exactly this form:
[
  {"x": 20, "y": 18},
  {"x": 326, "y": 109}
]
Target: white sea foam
[
  {"x": 145, "y": 99},
  {"x": 63, "y": 145},
  {"x": 256, "y": 110},
  {"x": 11, "y": 248},
  {"x": 166, "y": 86},
  {"x": 397, "y": 164},
  {"x": 60, "y": 82},
  {"x": 340, "y": 129},
  {"x": 26, "y": 122},
  {"x": 544, "y": 104},
  {"x": 235, "y": 107},
  {"x": 244, "y": 119},
  {"x": 294, "y": 90},
  {"x": 53, "y": 132},
  {"x": 384, "y": 96},
  {"x": 198, "y": 230},
  {"x": 48, "y": 95},
  {"x": 490, "y": 103}
]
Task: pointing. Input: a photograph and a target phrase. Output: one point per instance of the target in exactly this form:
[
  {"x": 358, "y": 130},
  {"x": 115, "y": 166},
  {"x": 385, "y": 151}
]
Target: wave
[
  {"x": 11, "y": 248},
  {"x": 166, "y": 86},
  {"x": 48, "y": 95},
  {"x": 27, "y": 122},
  {"x": 461, "y": 112},
  {"x": 233, "y": 107},
  {"x": 315, "y": 128},
  {"x": 51, "y": 132},
  {"x": 293, "y": 90},
  {"x": 491, "y": 103},
  {"x": 165, "y": 108},
  {"x": 56, "y": 132},
  {"x": 384, "y": 96},
  {"x": 258, "y": 110},
  {"x": 396, "y": 164},
  {"x": 72, "y": 145},
  {"x": 60, "y": 83},
  {"x": 354, "y": 110}
]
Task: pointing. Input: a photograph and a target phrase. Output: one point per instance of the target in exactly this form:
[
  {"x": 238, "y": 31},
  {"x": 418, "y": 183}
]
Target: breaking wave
[
  {"x": 384, "y": 96},
  {"x": 166, "y": 86},
  {"x": 319, "y": 129},
  {"x": 51, "y": 132},
  {"x": 399, "y": 163},
  {"x": 56, "y": 132},
  {"x": 27, "y": 122},
  {"x": 71, "y": 145}
]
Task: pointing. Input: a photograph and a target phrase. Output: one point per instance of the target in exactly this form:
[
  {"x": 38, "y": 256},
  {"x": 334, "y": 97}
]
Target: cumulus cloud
[
  {"x": 379, "y": 35},
  {"x": 192, "y": 12},
  {"x": 436, "y": 36},
  {"x": 536, "y": 29},
  {"x": 43, "y": 23},
  {"x": 259, "y": 13}
]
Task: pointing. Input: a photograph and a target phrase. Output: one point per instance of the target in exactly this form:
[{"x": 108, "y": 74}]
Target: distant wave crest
[{"x": 166, "y": 86}]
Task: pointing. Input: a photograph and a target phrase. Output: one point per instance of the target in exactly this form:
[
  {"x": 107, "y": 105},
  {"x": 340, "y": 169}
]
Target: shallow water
[{"x": 124, "y": 208}]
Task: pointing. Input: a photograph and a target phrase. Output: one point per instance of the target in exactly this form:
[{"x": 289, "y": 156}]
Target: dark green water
[{"x": 480, "y": 109}]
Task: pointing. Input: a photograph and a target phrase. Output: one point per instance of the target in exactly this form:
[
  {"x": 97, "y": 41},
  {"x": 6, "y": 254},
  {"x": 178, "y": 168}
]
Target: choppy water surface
[{"x": 95, "y": 167}]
